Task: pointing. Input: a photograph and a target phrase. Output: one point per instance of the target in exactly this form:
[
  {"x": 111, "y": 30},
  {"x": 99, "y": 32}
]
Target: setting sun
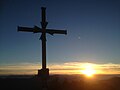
[{"x": 88, "y": 70}]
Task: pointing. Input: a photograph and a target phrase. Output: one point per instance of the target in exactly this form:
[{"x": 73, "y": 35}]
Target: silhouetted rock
[{"x": 60, "y": 82}]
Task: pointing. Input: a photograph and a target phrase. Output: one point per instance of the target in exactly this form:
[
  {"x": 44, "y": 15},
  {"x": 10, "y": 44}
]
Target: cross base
[{"x": 43, "y": 73}]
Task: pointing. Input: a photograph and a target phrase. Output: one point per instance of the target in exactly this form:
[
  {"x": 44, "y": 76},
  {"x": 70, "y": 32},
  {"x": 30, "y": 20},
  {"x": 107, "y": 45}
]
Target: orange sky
[{"x": 56, "y": 68}]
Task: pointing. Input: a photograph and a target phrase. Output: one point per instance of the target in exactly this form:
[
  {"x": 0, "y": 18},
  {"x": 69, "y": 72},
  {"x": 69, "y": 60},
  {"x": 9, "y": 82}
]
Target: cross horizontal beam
[{"x": 36, "y": 29}]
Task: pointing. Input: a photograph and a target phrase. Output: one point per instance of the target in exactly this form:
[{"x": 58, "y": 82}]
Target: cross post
[{"x": 44, "y": 72}]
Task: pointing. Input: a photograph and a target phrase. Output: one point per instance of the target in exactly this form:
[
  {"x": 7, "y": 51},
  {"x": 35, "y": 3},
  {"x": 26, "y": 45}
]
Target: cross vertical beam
[{"x": 43, "y": 37}]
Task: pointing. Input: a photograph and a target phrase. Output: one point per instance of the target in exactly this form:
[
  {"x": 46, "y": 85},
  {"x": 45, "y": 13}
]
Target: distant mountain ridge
[{"x": 59, "y": 82}]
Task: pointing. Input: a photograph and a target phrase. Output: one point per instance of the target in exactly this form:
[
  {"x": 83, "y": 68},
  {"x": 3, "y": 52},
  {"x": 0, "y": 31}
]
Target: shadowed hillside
[{"x": 59, "y": 83}]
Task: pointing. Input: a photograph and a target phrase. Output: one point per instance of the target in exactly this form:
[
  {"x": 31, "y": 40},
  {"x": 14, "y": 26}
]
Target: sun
[{"x": 88, "y": 70}]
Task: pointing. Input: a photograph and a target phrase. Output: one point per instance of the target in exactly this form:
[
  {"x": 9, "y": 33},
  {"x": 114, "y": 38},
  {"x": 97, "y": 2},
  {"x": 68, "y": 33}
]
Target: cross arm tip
[
  {"x": 65, "y": 32},
  {"x": 18, "y": 28}
]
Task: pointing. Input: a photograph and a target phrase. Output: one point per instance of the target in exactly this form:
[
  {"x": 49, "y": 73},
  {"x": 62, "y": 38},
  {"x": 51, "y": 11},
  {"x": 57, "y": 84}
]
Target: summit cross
[{"x": 44, "y": 72}]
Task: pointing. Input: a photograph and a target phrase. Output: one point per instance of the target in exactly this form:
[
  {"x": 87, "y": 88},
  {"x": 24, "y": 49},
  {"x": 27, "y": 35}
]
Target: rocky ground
[{"x": 59, "y": 83}]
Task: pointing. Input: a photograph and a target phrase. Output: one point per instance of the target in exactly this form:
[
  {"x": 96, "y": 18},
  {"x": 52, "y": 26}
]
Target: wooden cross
[{"x": 44, "y": 72}]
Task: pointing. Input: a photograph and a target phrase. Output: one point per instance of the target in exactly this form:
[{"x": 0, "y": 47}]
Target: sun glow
[{"x": 88, "y": 70}]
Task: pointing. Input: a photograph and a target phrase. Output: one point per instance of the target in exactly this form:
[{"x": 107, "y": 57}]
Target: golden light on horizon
[{"x": 88, "y": 70}]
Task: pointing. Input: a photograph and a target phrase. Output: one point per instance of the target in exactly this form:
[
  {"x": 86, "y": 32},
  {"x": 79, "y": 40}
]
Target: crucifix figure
[{"x": 44, "y": 72}]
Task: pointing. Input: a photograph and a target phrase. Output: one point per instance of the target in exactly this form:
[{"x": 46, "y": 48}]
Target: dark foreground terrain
[{"x": 59, "y": 83}]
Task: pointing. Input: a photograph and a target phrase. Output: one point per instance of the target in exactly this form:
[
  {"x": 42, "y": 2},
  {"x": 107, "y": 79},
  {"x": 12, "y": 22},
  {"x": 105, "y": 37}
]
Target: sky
[{"x": 93, "y": 34}]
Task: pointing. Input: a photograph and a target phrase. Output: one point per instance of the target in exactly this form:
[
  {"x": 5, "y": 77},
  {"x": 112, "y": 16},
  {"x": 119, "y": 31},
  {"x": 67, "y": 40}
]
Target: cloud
[
  {"x": 56, "y": 68},
  {"x": 75, "y": 67}
]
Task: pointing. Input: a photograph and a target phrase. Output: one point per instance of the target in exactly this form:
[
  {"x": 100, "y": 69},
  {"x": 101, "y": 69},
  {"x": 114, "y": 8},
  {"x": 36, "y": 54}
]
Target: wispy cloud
[{"x": 56, "y": 68}]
